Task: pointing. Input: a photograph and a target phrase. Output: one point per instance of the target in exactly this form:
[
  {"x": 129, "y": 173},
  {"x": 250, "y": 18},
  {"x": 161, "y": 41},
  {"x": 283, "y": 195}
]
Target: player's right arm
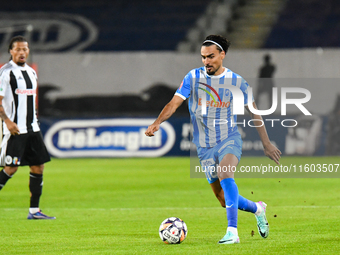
[
  {"x": 4, "y": 84},
  {"x": 182, "y": 93},
  {"x": 12, "y": 127},
  {"x": 165, "y": 114}
]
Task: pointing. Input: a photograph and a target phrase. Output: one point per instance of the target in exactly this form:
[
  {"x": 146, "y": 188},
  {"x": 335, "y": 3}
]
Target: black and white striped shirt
[{"x": 18, "y": 86}]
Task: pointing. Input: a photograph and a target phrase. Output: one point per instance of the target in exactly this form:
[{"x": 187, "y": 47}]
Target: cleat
[
  {"x": 262, "y": 223},
  {"x": 39, "y": 216},
  {"x": 229, "y": 238}
]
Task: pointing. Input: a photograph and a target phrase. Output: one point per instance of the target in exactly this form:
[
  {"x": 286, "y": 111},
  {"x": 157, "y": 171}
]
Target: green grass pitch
[{"x": 115, "y": 206}]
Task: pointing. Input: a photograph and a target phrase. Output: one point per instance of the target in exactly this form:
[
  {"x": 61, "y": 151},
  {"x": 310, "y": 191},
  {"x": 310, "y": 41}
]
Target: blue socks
[
  {"x": 231, "y": 200},
  {"x": 234, "y": 201},
  {"x": 246, "y": 205}
]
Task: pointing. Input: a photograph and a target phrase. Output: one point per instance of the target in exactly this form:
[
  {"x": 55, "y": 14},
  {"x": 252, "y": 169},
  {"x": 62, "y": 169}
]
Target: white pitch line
[{"x": 179, "y": 208}]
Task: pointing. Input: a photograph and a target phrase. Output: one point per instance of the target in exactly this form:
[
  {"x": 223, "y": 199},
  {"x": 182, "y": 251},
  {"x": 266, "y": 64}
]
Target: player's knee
[
  {"x": 10, "y": 170},
  {"x": 226, "y": 175},
  {"x": 37, "y": 169}
]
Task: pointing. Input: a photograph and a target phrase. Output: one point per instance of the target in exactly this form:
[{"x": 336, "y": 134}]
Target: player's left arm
[
  {"x": 270, "y": 150},
  {"x": 165, "y": 114}
]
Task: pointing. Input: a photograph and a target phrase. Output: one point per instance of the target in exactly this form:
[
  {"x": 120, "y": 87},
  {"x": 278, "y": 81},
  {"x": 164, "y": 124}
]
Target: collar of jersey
[
  {"x": 217, "y": 76},
  {"x": 20, "y": 67}
]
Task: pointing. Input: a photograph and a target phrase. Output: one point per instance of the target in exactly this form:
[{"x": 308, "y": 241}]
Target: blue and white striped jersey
[{"x": 215, "y": 122}]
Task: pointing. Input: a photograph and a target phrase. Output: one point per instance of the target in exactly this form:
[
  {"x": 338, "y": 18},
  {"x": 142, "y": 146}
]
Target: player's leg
[
  {"x": 35, "y": 186},
  {"x": 243, "y": 203},
  {"x": 218, "y": 191},
  {"x": 259, "y": 209},
  {"x": 230, "y": 189},
  {"x": 207, "y": 161},
  {"x": 10, "y": 155},
  {"x": 225, "y": 173},
  {"x": 246, "y": 204},
  {"x": 36, "y": 155},
  {"x": 208, "y": 158},
  {"x": 5, "y": 174}
]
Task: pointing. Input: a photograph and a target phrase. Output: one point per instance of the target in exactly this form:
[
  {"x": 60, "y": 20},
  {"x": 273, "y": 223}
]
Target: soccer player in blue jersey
[{"x": 219, "y": 142}]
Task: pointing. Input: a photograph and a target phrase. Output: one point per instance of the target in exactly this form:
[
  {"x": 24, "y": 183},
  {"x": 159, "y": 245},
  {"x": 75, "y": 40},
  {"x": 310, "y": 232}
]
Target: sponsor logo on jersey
[
  {"x": 8, "y": 160},
  {"x": 213, "y": 103},
  {"x": 16, "y": 161},
  {"x": 210, "y": 94},
  {"x": 108, "y": 138},
  {"x": 26, "y": 92}
]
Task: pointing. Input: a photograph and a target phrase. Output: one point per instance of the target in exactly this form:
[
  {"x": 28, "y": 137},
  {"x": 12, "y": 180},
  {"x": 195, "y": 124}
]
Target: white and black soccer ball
[{"x": 173, "y": 230}]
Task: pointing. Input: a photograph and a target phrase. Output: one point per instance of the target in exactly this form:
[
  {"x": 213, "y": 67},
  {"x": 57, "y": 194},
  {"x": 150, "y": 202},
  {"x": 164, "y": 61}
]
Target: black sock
[
  {"x": 3, "y": 178},
  {"x": 36, "y": 182}
]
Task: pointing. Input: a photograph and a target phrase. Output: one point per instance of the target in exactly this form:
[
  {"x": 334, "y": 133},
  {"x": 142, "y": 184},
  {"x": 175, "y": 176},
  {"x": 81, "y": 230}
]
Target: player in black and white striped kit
[{"x": 22, "y": 142}]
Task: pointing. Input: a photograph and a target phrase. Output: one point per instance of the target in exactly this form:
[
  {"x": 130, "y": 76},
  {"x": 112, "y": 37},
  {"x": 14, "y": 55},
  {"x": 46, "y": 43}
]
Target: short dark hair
[
  {"x": 18, "y": 38},
  {"x": 218, "y": 39}
]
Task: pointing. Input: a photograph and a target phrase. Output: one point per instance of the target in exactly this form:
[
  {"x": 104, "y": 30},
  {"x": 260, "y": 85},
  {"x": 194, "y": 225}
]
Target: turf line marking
[{"x": 176, "y": 208}]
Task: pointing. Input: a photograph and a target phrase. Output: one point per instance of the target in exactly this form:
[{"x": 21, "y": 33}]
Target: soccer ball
[{"x": 173, "y": 230}]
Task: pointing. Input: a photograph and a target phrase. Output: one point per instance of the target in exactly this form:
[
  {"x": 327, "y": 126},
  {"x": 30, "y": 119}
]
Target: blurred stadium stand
[
  {"x": 123, "y": 25},
  {"x": 246, "y": 23},
  {"x": 182, "y": 24},
  {"x": 307, "y": 23},
  {"x": 215, "y": 20},
  {"x": 159, "y": 25},
  {"x": 253, "y": 22}
]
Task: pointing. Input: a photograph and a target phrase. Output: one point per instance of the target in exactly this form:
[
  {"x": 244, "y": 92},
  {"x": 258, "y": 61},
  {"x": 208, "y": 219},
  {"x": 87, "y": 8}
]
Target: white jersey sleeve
[
  {"x": 4, "y": 81},
  {"x": 184, "y": 89}
]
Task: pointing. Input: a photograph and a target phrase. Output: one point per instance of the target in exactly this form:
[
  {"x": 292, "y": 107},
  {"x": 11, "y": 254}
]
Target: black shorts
[{"x": 25, "y": 149}]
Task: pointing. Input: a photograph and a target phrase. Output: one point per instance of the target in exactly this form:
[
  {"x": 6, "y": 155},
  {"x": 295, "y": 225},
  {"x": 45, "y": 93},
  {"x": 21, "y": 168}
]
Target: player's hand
[
  {"x": 152, "y": 129},
  {"x": 272, "y": 152},
  {"x": 12, "y": 127}
]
